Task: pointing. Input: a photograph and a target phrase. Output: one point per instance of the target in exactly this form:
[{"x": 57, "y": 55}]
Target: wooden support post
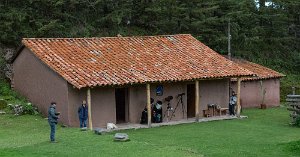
[
  {"x": 238, "y": 97},
  {"x": 197, "y": 99},
  {"x": 89, "y": 108},
  {"x": 148, "y": 105}
]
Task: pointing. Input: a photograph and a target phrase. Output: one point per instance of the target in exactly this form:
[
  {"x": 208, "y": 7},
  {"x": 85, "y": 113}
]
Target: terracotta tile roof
[
  {"x": 127, "y": 60},
  {"x": 260, "y": 71}
]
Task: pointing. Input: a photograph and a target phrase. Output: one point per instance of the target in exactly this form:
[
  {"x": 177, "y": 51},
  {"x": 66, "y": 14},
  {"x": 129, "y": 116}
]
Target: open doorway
[
  {"x": 191, "y": 100},
  {"x": 121, "y": 96}
]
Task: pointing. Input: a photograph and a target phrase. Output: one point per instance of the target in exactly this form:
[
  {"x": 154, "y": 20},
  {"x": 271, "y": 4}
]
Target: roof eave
[{"x": 163, "y": 81}]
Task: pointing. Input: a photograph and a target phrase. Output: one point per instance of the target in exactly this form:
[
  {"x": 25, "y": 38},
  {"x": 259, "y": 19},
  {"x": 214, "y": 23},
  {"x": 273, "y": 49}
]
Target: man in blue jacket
[
  {"x": 83, "y": 114},
  {"x": 52, "y": 120}
]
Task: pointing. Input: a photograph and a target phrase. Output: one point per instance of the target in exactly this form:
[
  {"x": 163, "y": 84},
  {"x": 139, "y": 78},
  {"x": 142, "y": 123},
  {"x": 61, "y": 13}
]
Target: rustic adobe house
[
  {"x": 118, "y": 75},
  {"x": 262, "y": 89}
]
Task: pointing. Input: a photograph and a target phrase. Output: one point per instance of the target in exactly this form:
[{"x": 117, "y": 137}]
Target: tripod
[
  {"x": 180, "y": 101},
  {"x": 169, "y": 108}
]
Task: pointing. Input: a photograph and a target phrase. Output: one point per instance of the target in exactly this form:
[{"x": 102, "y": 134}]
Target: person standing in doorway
[
  {"x": 52, "y": 120},
  {"x": 232, "y": 103},
  {"x": 83, "y": 114}
]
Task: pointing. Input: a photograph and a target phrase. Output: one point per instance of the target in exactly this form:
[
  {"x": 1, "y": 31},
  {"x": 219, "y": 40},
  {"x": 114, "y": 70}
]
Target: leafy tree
[{"x": 260, "y": 29}]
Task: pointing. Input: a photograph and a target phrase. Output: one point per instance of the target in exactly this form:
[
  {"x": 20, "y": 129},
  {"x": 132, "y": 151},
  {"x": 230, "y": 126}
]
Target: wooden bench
[
  {"x": 222, "y": 111},
  {"x": 207, "y": 113},
  {"x": 215, "y": 110}
]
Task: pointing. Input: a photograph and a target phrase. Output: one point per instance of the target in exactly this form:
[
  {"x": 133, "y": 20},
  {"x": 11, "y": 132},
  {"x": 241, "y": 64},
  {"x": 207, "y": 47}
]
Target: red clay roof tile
[
  {"x": 126, "y": 60},
  {"x": 260, "y": 71}
]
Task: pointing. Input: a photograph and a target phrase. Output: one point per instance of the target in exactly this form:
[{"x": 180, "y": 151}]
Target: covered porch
[
  {"x": 132, "y": 107},
  {"x": 126, "y": 126}
]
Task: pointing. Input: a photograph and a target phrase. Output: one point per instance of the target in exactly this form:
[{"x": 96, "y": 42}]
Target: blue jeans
[
  {"x": 52, "y": 131},
  {"x": 82, "y": 122}
]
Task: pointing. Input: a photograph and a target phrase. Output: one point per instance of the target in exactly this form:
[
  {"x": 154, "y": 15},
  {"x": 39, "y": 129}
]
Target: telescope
[
  {"x": 169, "y": 98},
  {"x": 180, "y": 94}
]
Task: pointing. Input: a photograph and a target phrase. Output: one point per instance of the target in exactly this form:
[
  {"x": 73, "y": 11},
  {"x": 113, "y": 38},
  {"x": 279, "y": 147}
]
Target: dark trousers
[
  {"x": 231, "y": 109},
  {"x": 52, "y": 131},
  {"x": 82, "y": 122}
]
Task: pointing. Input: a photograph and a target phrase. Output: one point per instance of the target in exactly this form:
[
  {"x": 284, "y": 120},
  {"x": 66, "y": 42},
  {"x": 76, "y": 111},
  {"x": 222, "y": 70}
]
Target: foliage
[
  {"x": 23, "y": 108},
  {"x": 264, "y": 133},
  {"x": 297, "y": 121},
  {"x": 9, "y": 95},
  {"x": 17, "y": 104},
  {"x": 3, "y": 104},
  {"x": 265, "y": 33},
  {"x": 2, "y": 62},
  {"x": 257, "y": 32},
  {"x": 291, "y": 80}
]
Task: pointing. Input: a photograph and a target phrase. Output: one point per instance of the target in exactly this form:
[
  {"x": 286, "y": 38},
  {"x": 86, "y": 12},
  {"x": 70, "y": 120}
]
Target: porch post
[
  {"x": 238, "y": 97},
  {"x": 197, "y": 99},
  {"x": 148, "y": 105},
  {"x": 89, "y": 108}
]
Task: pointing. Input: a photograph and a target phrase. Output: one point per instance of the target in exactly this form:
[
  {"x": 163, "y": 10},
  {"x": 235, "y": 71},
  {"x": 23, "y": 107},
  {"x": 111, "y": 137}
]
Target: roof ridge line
[{"x": 76, "y": 38}]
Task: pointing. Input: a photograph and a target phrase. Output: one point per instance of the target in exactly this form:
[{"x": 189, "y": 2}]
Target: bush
[
  {"x": 3, "y": 104},
  {"x": 291, "y": 80},
  {"x": 297, "y": 121},
  {"x": 20, "y": 109},
  {"x": 17, "y": 104},
  {"x": 30, "y": 109}
]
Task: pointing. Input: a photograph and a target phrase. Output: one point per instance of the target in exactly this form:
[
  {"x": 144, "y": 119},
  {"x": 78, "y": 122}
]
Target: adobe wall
[
  {"x": 251, "y": 93},
  {"x": 103, "y": 105},
  {"x": 39, "y": 84},
  {"x": 75, "y": 97},
  {"x": 214, "y": 92}
]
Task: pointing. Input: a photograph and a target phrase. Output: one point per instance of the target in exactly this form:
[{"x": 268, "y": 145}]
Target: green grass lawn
[{"x": 264, "y": 133}]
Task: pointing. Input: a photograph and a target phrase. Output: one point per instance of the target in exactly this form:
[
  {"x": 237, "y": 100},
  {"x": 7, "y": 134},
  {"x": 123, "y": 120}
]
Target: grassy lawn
[{"x": 264, "y": 133}]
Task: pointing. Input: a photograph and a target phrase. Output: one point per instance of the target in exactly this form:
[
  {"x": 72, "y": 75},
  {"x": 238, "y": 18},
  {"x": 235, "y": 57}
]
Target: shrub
[
  {"x": 286, "y": 85},
  {"x": 17, "y": 104},
  {"x": 297, "y": 121},
  {"x": 30, "y": 109},
  {"x": 3, "y": 104},
  {"x": 25, "y": 108}
]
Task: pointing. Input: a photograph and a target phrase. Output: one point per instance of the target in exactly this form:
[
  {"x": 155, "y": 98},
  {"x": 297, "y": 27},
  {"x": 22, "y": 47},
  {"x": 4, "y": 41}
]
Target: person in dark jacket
[
  {"x": 83, "y": 114},
  {"x": 232, "y": 103},
  {"x": 144, "y": 117},
  {"x": 157, "y": 110},
  {"x": 52, "y": 120}
]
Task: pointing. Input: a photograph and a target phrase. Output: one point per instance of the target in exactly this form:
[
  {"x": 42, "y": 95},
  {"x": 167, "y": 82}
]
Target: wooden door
[
  {"x": 190, "y": 100},
  {"x": 121, "y": 96}
]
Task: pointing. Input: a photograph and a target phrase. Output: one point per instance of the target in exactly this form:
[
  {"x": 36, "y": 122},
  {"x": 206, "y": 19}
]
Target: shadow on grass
[{"x": 293, "y": 147}]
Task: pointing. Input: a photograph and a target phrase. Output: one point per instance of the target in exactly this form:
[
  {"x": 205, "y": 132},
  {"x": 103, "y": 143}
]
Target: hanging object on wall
[{"x": 159, "y": 90}]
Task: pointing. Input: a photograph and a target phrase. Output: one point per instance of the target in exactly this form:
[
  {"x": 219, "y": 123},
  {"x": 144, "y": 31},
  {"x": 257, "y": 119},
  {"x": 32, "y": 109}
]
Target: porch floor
[{"x": 126, "y": 126}]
